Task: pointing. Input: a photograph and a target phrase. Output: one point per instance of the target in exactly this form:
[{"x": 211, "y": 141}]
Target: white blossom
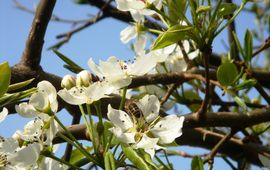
[
  {"x": 3, "y": 114},
  {"x": 12, "y": 156},
  {"x": 148, "y": 130},
  {"x": 119, "y": 73},
  {"x": 44, "y": 101},
  {"x": 81, "y": 95}
]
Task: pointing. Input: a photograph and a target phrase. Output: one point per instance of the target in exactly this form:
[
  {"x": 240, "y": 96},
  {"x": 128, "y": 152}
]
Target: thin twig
[
  {"x": 168, "y": 94},
  {"x": 185, "y": 55},
  {"x": 262, "y": 47},
  {"x": 203, "y": 109},
  {"x": 53, "y": 17},
  {"x": 210, "y": 157}
]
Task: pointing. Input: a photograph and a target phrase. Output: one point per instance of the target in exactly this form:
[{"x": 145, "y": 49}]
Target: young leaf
[
  {"x": 238, "y": 45},
  {"x": 248, "y": 46},
  {"x": 135, "y": 158},
  {"x": 109, "y": 161},
  {"x": 203, "y": 9},
  {"x": 227, "y": 74},
  {"x": 19, "y": 85},
  {"x": 226, "y": 9},
  {"x": 147, "y": 158},
  {"x": 5, "y": 75},
  {"x": 176, "y": 9},
  {"x": 76, "y": 155},
  {"x": 197, "y": 163},
  {"x": 240, "y": 103},
  {"x": 71, "y": 65},
  {"x": 246, "y": 84},
  {"x": 172, "y": 35}
]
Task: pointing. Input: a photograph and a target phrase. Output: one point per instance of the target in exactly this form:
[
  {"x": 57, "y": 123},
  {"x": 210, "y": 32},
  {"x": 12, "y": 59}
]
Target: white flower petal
[
  {"x": 3, "y": 114},
  {"x": 95, "y": 68},
  {"x": 48, "y": 88},
  {"x": 123, "y": 137},
  {"x": 73, "y": 96},
  {"x": 149, "y": 105},
  {"x": 193, "y": 54},
  {"x": 40, "y": 101},
  {"x": 26, "y": 156},
  {"x": 139, "y": 44},
  {"x": 26, "y": 110},
  {"x": 148, "y": 144},
  {"x": 50, "y": 164},
  {"x": 168, "y": 128},
  {"x": 128, "y": 33},
  {"x": 32, "y": 130},
  {"x": 119, "y": 118},
  {"x": 9, "y": 145}
]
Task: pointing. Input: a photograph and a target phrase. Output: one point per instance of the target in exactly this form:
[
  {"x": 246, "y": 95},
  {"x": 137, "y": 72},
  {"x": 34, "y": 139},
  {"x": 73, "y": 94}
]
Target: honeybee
[{"x": 132, "y": 108}]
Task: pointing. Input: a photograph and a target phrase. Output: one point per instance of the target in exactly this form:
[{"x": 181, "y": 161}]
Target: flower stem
[
  {"x": 73, "y": 139},
  {"x": 123, "y": 100},
  {"x": 89, "y": 127}
]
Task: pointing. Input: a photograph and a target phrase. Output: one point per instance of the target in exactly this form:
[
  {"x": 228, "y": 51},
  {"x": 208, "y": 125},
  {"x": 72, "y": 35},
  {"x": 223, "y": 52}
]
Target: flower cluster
[{"x": 145, "y": 129}]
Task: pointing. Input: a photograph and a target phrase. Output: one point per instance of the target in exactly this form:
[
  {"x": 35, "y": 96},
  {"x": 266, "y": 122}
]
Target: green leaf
[
  {"x": 109, "y": 161},
  {"x": 19, "y": 85},
  {"x": 203, "y": 9},
  {"x": 246, "y": 84},
  {"x": 227, "y": 74},
  {"x": 76, "y": 155},
  {"x": 135, "y": 158},
  {"x": 71, "y": 65},
  {"x": 240, "y": 103},
  {"x": 176, "y": 9},
  {"x": 248, "y": 46},
  {"x": 147, "y": 158},
  {"x": 226, "y": 9},
  {"x": 197, "y": 163},
  {"x": 172, "y": 35},
  {"x": 5, "y": 75},
  {"x": 238, "y": 45}
]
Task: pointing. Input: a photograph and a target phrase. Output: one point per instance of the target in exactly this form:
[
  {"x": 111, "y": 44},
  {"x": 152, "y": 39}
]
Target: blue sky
[{"x": 98, "y": 41}]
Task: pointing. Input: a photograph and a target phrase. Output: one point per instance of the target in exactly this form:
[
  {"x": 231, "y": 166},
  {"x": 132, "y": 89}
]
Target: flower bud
[
  {"x": 84, "y": 78},
  {"x": 68, "y": 82}
]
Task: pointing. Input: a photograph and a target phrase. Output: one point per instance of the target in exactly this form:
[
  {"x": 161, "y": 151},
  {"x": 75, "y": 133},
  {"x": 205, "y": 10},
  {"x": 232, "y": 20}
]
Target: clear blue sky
[{"x": 99, "y": 41}]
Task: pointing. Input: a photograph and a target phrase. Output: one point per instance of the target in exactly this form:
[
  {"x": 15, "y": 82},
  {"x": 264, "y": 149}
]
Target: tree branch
[{"x": 32, "y": 53}]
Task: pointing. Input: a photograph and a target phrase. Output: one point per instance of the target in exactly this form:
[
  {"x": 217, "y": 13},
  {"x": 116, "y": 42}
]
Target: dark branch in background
[{"x": 32, "y": 53}]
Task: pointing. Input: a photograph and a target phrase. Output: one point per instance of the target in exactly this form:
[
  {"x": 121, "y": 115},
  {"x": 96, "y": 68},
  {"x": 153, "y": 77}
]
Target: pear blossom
[
  {"x": 3, "y": 114},
  {"x": 44, "y": 101},
  {"x": 138, "y": 6},
  {"x": 119, "y": 73},
  {"x": 81, "y": 95},
  {"x": 68, "y": 82},
  {"x": 175, "y": 61},
  {"x": 12, "y": 156},
  {"x": 83, "y": 78},
  {"x": 148, "y": 130}
]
